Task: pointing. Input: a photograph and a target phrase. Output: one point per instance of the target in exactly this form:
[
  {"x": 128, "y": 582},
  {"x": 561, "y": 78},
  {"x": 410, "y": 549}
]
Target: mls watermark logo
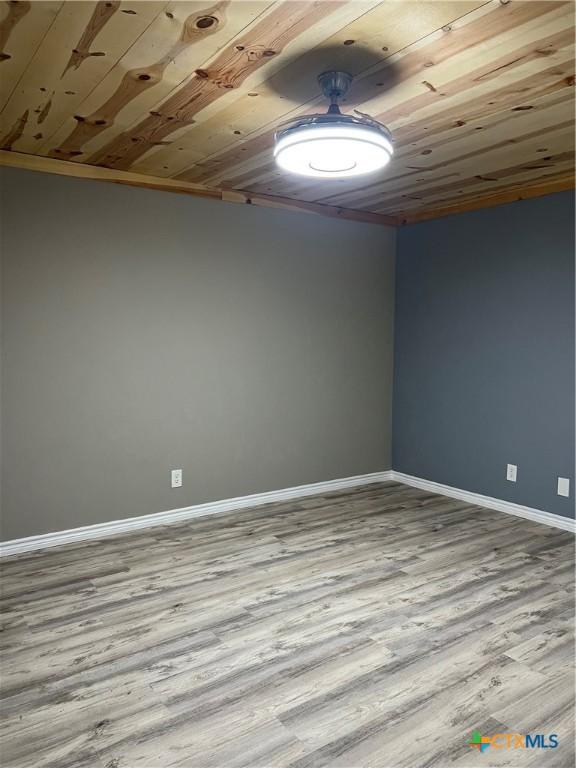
[{"x": 513, "y": 741}]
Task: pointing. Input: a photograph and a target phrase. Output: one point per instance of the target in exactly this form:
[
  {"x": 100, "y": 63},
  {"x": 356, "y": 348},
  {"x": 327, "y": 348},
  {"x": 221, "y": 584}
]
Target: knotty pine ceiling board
[
  {"x": 381, "y": 31},
  {"x": 478, "y": 94}
]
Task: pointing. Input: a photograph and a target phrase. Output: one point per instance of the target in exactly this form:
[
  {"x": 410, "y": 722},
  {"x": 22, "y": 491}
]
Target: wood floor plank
[{"x": 373, "y": 627}]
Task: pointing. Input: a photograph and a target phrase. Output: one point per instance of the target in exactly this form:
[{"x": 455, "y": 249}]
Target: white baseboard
[
  {"x": 529, "y": 513},
  {"x": 98, "y": 531}
]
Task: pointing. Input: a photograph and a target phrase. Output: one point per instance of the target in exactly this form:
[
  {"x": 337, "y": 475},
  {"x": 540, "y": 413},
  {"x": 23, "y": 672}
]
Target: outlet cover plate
[{"x": 511, "y": 472}]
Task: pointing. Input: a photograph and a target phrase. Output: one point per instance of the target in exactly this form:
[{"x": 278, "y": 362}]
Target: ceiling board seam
[
  {"x": 526, "y": 191},
  {"x": 431, "y": 37},
  {"x": 301, "y": 108},
  {"x": 91, "y": 91},
  {"x": 60, "y": 10},
  {"x": 462, "y": 183},
  {"x": 128, "y": 155},
  {"x": 127, "y": 53},
  {"x": 384, "y": 116},
  {"x": 455, "y": 160}
]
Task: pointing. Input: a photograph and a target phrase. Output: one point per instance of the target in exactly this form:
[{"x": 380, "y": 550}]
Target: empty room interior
[{"x": 287, "y": 384}]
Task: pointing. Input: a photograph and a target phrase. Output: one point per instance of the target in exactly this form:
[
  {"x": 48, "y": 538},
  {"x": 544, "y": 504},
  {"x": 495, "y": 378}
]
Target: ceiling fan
[{"x": 333, "y": 145}]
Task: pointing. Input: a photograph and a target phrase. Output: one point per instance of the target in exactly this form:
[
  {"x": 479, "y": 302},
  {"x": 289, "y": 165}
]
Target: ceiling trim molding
[
  {"x": 524, "y": 192},
  {"x": 289, "y": 203},
  {"x": 98, "y": 173}
]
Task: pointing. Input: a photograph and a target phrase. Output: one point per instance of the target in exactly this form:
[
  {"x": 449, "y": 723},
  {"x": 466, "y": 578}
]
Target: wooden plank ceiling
[{"x": 186, "y": 95}]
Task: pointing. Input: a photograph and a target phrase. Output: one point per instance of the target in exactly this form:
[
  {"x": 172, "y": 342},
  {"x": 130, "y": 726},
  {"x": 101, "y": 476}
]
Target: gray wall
[
  {"x": 484, "y": 362},
  {"x": 144, "y": 331}
]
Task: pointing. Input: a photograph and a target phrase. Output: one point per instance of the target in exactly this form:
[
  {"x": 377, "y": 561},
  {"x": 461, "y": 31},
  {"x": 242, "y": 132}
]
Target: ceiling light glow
[{"x": 332, "y": 151}]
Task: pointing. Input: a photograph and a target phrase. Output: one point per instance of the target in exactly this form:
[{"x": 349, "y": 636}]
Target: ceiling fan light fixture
[
  {"x": 334, "y": 150},
  {"x": 333, "y": 145}
]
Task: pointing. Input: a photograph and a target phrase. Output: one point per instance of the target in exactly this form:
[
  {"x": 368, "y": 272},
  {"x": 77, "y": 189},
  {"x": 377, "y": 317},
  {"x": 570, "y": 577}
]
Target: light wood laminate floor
[{"x": 374, "y": 627}]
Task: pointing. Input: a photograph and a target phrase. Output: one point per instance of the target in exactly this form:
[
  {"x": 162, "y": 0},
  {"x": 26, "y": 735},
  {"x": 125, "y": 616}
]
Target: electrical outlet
[
  {"x": 511, "y": 472},
  {"x": 563, "y": 486},
  {"x": 176, "y": 475}
]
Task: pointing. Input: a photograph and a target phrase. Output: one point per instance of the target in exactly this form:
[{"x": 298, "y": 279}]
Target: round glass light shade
[{"x": 333, "y": 149}]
